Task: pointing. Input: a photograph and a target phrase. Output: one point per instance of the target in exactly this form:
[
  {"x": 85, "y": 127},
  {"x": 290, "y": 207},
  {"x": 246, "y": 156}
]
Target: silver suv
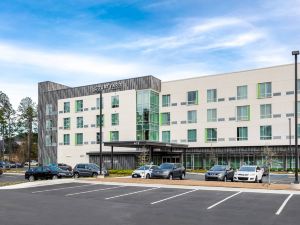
[{"x": 88, "y": 170}]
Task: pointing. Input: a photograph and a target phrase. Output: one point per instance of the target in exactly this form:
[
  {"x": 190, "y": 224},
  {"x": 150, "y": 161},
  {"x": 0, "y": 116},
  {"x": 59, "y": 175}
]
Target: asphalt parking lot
[
  {"x": 89, "y": 204},
  {"x": 7, "y": 177}
]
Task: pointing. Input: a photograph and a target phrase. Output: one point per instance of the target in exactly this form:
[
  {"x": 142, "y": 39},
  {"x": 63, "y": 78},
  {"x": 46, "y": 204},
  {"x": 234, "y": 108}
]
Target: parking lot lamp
[
  {"x": 99, "y": 90},
  {"x": 296, "y": 53},
  {"x": 290, "y": 144}
]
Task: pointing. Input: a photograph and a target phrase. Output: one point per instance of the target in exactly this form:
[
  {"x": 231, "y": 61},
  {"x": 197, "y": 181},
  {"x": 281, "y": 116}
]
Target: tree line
[{"x": 18, "y": 129}]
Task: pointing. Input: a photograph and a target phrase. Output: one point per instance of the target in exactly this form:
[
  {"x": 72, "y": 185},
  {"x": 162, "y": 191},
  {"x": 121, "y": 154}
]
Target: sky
[{"x": 81, "y": 42}]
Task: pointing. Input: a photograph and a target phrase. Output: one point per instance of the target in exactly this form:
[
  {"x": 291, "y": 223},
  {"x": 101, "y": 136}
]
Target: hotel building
[{"x": 234, "y": 118}]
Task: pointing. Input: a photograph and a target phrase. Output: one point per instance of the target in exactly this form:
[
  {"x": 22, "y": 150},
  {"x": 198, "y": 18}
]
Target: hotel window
[
  {"x": 98, "y": 137},
  {"x": 264, "y": 90},
  {"x": 192, "y": 98},
  {"x": 79, "y": 122},
  {"x": 192, "y": 135},
  {"x": 212, "y": 95},
  {"x": 166, "y": 100},
  {"x": 211, "y": 115},
  {"x": 66, "y": 139},
  {"x": 242, "y": 92},
  {"x": 165, "y": 118},
  {"x": 265, "y": 132},
  {"x": 79, "y": 106},
  {"x": 98, "y": 120},
  {"x": 265, "y": 111},
  {"x": 115, "y": 119},
  {"x": 66, "y": 107},
  {"x": 210, "y": 134},
  {"x": 98, "y": 103},
  {"x": 49, "y": 109},
  {"x": 166, "y": 136},
  {"x": 48, "y": 141},
  {"x": 114, "y": 136},
  {"x": 67, "y": 123},
  {"x": 115, "y": 101},
  {"x": 49, "y": 124},
  {"x": 243, "y": 113},
  {"x": 192, "y": 116},
  {"x": 78, "y": 138},
  {"x": 242, "y": 133}
]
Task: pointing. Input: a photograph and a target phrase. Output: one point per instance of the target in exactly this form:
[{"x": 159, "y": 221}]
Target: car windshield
[
  {"x": 144, "y": 168},
  {"x": 165, "y": 166},
  {"x": 248, "y": 168},
  {"x": 218, "y": 168}
]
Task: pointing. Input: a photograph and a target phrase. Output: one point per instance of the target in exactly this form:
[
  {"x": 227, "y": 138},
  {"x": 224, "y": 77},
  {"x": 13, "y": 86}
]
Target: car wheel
[
  {"x": 260, "y": 181},
  {"x": 76, "y": 175},
  {"x": 31, "y": 178},
  {"x": 182, "y": 176},
  {"x": 148, "y": 176},
  {"x": 95, "y": 175},
  {"x": 54, "y": 177},
  {"x": 171, "y": 177}
]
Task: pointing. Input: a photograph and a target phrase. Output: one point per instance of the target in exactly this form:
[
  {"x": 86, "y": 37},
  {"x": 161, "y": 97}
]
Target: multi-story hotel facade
[{"x": 235, "y": 118}]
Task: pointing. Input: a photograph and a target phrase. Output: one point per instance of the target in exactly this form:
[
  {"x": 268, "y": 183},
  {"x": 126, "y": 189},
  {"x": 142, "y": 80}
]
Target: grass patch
[
  {"x": 120, "y": 172},
  {"x": 197, "y": 171}
]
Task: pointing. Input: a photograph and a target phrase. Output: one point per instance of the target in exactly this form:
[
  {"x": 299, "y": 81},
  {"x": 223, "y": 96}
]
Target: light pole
[
  {"x": 296, "y": 53},
  {"x": 290, "y": 143},
  {"x": 99, "y": 90}
]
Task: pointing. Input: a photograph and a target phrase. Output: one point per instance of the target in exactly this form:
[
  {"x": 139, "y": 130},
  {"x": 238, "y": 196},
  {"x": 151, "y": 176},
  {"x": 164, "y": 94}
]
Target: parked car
[
  {"x": 144, "y": 171},
  {"x": 15, "y": 165},
  {"x": 220, "y": 173},
  {"x": 169, "y": 171},
  {"x": 46, "y": 172},
  {"x": 4, "y": 165},
  {"x": 32, "y": 163},
  {"x": 1, "y": 171},
  {"x": 88, "y": 170},
  {"x": 249, "y": 173},
  {"x": 62, "y": 166}
]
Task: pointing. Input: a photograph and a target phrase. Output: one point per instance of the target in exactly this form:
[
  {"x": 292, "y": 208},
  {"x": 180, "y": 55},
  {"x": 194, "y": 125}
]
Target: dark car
[
  {"x": 15, "y": 165},
  {"x": 220, "y": 173},
  {"x": 266, "y": 170},
  {"x": 88, "y": 170},
  {"x": 169, "y": 171},
  {"x": 46, "y": 172}
]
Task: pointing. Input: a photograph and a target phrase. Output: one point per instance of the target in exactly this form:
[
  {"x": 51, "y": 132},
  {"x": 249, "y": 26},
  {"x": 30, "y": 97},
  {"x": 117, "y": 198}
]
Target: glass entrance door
[{"x": 171, "y": 159}]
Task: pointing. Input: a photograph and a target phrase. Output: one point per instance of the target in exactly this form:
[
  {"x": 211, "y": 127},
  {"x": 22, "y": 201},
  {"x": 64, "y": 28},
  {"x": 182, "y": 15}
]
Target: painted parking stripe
[
  {"x": 283, "y": 204},
  {"x": 57, "y": 189},
  {"x": 225, "y": 199},
  {"x": 131, "y": 193},
  {"x": 102, "y": 189},
  {"x": 165, "y": 199}
]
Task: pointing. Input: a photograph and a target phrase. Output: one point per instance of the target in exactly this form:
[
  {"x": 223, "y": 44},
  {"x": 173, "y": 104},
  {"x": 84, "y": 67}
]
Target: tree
[{"x": 27, "y": 120}]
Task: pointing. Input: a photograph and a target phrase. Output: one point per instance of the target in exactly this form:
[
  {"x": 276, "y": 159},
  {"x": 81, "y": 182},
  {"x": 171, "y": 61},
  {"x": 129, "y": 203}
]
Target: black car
[
  {"x": 46, "y": 172},
  {"x": 169, "y": 171},
  {"x": 220, "y": 173},
  {"x": 88, "y": 170}
]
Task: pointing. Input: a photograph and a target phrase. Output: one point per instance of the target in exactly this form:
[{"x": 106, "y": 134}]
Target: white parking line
[
  {"x": 102, "y": 189},
  {"x": 225, "y": 199},
  {"x": 136, "y": 192},
  {"x": 165, "y": 199},
  {"x": 57, "y": 189},
  {"x": 283, "y": 204}
]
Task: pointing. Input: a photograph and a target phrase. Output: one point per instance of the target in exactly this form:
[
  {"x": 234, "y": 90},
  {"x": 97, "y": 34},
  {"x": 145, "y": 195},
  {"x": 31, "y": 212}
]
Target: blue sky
[{"x": 78, "y": 42}]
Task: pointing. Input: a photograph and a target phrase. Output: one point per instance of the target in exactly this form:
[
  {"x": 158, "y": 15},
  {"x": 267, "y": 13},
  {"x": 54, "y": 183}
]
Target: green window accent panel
[
  {"x": 98, "y": 120},
  {"x": 66, "y": 139},
  {"x": 165, "y": 118},
  {"x": 211, "y": 134},
  {"x": 98, "y": 103},
  {"x": 211, "y": 115},
  {"x": 115, "y": 101},
  {"x": 79, "y": 139},
  {"x": 192, "y": 98},
  {"x": 243, "y": 113},
  {"x": 192, "y": 135},
  {"x": 115, "y": 119},
  {"x": 242, "y": 133},
  {"x": 264, "y": 90},
  {"x": 242, "y": 92},
  {"x": 166, "y": 100},
  {"x": 192, "y": 116},
  {"x": 114, "y": 136},
  {"x": 78, "y": 105},
  {"x": 79, "y": 122},
  {"x": 266, "y": 132},
  {"x": 66, "y": 107},
  {"x": 166, "y": 136},
  {"x": 211, "y": 95},
  {"x": 265, "y": 111},
  {"x": 67, "y": 123}
]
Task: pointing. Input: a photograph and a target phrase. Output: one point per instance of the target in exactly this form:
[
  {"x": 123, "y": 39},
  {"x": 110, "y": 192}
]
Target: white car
[
  {"x": 144, "y": 171},
  {"x": 32, "y": 163},
  {"x": 249, "y": 174}
]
